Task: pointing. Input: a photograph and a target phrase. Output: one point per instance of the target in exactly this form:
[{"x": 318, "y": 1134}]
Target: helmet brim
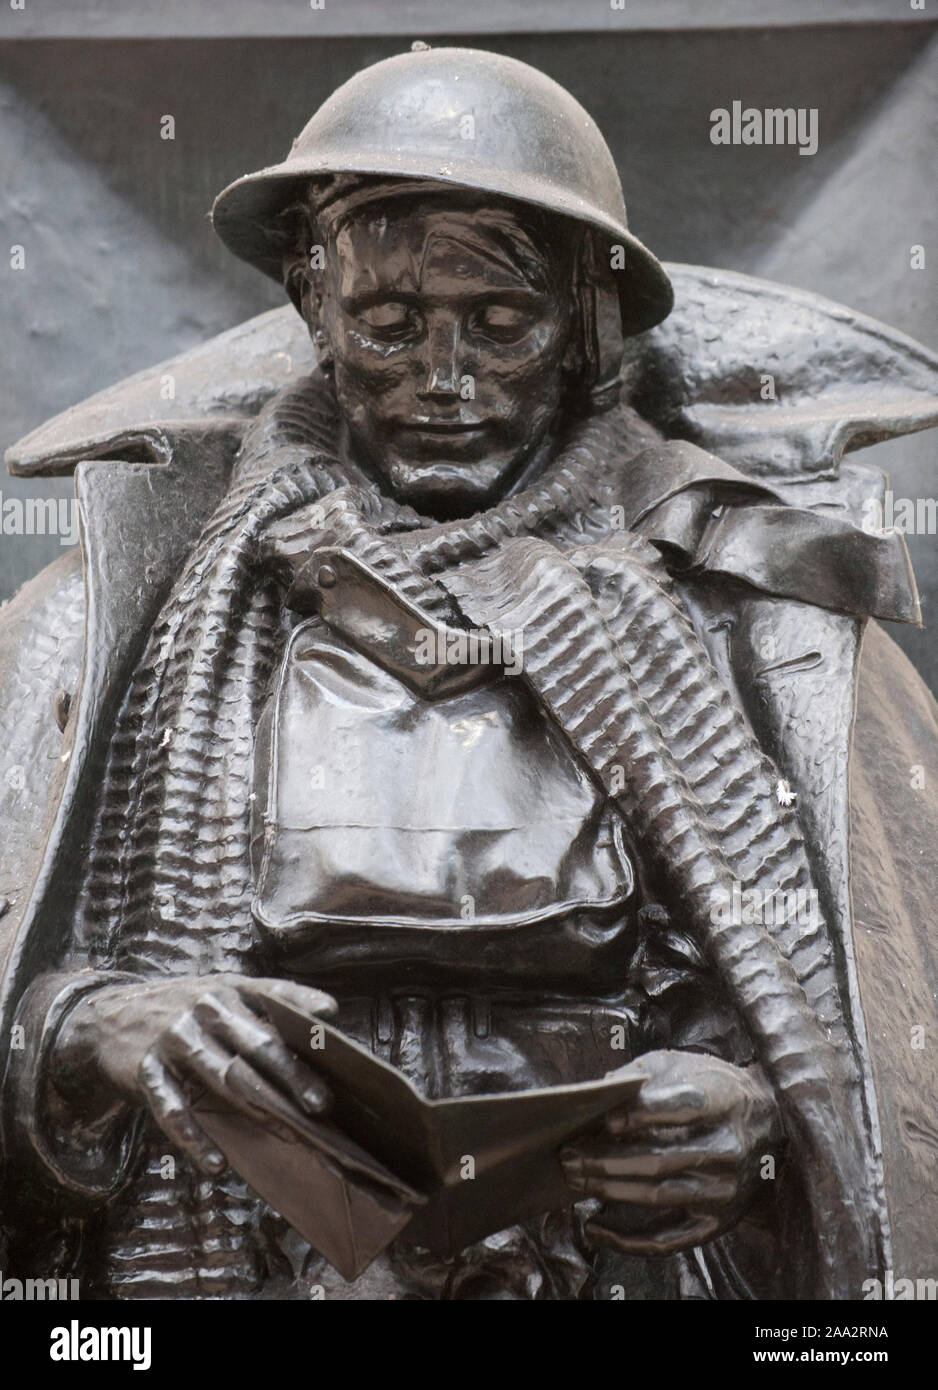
[{"x": 247, "y": 217}]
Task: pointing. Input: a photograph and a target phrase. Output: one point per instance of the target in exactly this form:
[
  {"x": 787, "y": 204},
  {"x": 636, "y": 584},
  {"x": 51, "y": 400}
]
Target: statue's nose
[{"x": 442, "y": 381}]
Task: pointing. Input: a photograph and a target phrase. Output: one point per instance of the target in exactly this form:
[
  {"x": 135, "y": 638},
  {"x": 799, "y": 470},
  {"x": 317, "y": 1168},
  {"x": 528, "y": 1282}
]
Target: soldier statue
[{"x": 479, "y": 659}]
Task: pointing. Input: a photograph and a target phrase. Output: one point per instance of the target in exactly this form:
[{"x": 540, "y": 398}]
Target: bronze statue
[{"x": 496, "y": 698}]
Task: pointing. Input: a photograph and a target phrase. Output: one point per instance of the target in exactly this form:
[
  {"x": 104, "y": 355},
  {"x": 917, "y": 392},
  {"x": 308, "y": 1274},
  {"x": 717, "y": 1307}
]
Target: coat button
[{"x": 326, "y": 578}]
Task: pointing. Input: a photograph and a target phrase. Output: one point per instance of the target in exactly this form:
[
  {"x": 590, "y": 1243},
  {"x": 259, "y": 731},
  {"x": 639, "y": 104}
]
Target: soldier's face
[{"x": 448, "y": 341}]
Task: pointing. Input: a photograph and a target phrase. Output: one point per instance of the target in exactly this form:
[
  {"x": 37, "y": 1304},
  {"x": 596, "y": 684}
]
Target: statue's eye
[
  {"x": 503, "y": 323},
  {"x": 389, "y": 319}
]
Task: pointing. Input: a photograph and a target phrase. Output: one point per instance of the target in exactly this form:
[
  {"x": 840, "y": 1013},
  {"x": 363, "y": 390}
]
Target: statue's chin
[{"x": 447, "y": 490}]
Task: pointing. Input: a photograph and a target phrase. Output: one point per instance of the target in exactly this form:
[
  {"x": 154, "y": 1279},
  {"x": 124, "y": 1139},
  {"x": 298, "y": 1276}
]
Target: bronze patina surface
[{"x": 473, "y": 676}]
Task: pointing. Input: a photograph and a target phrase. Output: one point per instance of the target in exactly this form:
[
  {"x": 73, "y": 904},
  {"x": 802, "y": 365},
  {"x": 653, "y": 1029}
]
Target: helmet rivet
[{"x": 418, "y": 46}]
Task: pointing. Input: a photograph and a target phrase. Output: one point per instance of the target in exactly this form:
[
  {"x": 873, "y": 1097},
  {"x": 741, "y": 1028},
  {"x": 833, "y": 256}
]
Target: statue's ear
[
  {"x": 610, "y": 343},
  {"x": 601, "y": 342},
  {"x": 301, "y": 258},
  {"x": 303, "y": 264},
  {"x": 295, "y": 278},
  {"x": 775, "y": 380}
]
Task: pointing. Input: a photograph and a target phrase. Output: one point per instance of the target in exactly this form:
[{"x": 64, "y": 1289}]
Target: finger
[
  {"x": 277, "y": 1112},
  {"x": 302, "y": 997},
  {"x": 686, "y": 1189},
  {"x": 170, "y": 1108},
  {"x": 680, "y": 1103},
  {"x": 193, "y": 1055},
  {"x": 225, "y": 1016},
  {"x": 668, "y": 1241},
  {"x": 721, "y": 1150}
]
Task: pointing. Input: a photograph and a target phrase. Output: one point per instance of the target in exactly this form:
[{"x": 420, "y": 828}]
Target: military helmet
[{"x": 525, "y": 138}]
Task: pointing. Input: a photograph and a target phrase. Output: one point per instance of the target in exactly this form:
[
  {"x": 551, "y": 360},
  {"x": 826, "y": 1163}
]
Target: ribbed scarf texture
[{"x": 610, "y": 653}]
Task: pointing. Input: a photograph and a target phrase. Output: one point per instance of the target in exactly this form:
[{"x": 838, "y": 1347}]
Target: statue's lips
[
  {"x": 427, "y": 446},
  {"x": 440, "y": 426}
]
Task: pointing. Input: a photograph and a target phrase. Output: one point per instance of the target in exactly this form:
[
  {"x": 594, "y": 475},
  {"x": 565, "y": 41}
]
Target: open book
[{"x": 449, "y": 1171}]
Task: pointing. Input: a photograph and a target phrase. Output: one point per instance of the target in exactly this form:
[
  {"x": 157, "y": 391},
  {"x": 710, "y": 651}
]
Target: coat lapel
[{"x": 138, "y": 523}]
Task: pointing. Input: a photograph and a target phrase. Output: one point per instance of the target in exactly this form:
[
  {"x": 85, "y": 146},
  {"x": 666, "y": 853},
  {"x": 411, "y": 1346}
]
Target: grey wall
[
  {"x": 122, "y": 268},
  {"x": 420, "y": 18}
]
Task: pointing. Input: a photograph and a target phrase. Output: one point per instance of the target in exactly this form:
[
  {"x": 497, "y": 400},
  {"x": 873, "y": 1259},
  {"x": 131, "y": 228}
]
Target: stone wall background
[{"x": 123, "y": 268}]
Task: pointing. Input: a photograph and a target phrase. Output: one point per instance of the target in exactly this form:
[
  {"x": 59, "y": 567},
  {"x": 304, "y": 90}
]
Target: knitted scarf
[{"x": 613, "y": 658}]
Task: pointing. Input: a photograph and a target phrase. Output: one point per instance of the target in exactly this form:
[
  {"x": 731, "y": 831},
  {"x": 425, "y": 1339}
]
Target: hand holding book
[{"x": 386, "y": 1158}]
